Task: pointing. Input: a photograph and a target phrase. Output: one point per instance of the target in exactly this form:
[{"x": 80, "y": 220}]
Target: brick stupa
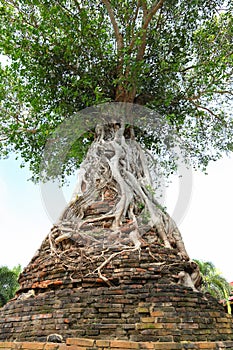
[{"x": 136, "y": 296}]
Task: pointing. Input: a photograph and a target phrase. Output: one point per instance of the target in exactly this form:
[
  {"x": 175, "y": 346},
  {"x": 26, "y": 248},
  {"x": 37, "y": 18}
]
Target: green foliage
[
  {"x": 8, "y": 283},
  {"x": 175, "y": 58},
  {"x": 213, "y": 282}
]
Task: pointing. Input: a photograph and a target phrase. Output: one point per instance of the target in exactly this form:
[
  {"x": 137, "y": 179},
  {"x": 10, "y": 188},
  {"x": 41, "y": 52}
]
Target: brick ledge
[{"x": 97, "y": 344}]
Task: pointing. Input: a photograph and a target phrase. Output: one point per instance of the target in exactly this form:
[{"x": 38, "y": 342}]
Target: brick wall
[{"x": 138, "y": 311}]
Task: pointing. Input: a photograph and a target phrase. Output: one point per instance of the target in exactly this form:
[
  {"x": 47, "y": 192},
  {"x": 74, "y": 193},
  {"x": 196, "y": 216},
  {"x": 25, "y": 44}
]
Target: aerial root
[
  {"x": 120, "y": 167},
  {"x": 110, "y": 258}
]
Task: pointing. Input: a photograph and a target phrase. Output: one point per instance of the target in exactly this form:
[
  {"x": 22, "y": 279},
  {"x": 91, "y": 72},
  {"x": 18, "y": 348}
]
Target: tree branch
[
  {"x": 28, "y": 131},
  {"x": 120, "y": 45},
  {"x": 77, "y": 4},
  {"x": 229, "y": 54},
  {"x": 67, "y": 10},
  {"x": 154, "y": 8},
  {"x": 201, "y": 93},
  {"x": 207, "y": 110},
  {"x": 25, "y": 14},
  {"x": 148, "y": 15},
  {"x": 135, "y": 17},
  {"x": 118, "y": 35}
]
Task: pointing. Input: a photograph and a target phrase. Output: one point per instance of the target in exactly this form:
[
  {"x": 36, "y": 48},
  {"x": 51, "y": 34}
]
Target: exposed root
[
  {"x": 114, "y": 188},
  {"x": 52, "y": 247},
  {"x": 111, "y": 257},
  {"x": 100, "y": 218}
]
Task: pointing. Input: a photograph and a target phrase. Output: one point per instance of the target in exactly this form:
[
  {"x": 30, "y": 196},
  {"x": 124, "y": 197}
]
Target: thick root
[{"x": 115, "y": 173}]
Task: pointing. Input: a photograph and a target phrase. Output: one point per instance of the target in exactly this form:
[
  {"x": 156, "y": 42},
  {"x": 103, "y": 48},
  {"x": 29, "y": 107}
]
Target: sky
[{"x": 204, "y": 218}]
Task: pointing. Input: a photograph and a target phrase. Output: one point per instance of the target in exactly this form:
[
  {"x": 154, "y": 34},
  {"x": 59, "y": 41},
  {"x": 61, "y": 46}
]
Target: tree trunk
[{"x": 115, "y": 177}]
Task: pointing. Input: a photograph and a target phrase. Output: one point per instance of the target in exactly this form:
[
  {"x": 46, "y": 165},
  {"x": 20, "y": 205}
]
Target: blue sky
[
  {"x": 24, "y": 220},
  {"x": 206, "y": 225}
]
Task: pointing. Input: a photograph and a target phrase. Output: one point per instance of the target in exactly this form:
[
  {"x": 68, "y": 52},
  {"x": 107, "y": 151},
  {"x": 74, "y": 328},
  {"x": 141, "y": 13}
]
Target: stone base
[{"x": 91, "y": 344}]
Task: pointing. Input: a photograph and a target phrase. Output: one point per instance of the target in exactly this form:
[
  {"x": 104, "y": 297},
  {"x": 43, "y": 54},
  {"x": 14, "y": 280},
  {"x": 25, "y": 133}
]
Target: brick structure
[{"x": 140, "y": 304}]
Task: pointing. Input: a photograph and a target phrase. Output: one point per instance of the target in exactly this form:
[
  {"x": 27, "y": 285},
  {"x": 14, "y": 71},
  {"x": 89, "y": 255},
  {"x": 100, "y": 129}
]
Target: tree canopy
[
  {"x": 174, "y": 57},
  {"x": 214, "y": 283},
  {"x": 8, "y": 283}
]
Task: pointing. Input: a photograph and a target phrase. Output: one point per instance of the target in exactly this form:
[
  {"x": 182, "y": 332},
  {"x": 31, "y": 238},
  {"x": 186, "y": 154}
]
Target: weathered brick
[
  {"x": 142, "y": 310},
  {"x": 167, "y": 346},
  {"x": 147, "y": 319},
  {"x": 120, "y": 344},
  {"x": 102, "y": 343},
  {"x": 146, "y": 345},
  {"x": 157, "y": 313},
  {"x": 222, "y": 319},
  {"x": 63, "y": 347},
  {"x": 140, "y": 326},
  {"x": 14, "y": 319},
  {"x": 7, "y": 345},
  {"x": 33, "y": 345},
  {"x": 206, "y": 345},
  {"x": 40, "y": 316},
  {"x": 80, "y": 341},
  {"x": 51, "y": 346}
]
